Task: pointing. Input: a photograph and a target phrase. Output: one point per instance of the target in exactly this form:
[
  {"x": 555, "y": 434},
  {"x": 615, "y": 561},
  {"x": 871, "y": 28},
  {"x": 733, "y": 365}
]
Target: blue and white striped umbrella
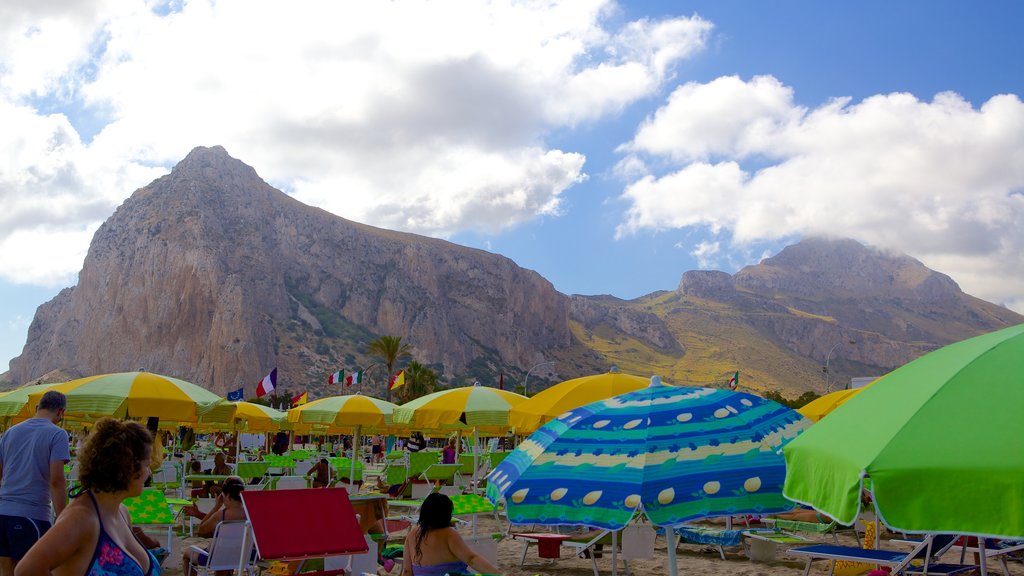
[{"x": 676, "y": 453}]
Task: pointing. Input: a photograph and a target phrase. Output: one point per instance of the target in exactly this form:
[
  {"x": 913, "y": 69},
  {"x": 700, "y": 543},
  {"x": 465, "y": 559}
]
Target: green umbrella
[{"x": 942, "y": 439}]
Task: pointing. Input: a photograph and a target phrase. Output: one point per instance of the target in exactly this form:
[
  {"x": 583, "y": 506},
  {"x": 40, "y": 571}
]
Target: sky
[{"x": 608, "y": 146}]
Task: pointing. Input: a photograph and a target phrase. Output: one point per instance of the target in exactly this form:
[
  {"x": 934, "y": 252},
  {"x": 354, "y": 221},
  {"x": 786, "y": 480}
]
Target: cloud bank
[
  {"x": 940, "y": 180},
  {"x": 429, "y": 117}
]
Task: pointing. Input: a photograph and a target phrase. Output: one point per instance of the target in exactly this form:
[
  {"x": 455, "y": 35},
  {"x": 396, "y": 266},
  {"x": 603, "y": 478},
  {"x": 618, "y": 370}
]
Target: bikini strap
[{"x": 96, "y": 507}]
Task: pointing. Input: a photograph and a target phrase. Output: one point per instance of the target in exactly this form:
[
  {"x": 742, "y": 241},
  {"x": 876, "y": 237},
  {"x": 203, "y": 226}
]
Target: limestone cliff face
[{"x": 212, "y": 275}]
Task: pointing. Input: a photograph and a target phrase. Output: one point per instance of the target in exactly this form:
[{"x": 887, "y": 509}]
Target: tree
[
  {"x": 419, "y": 381},
  {"x": 390, "y": 350}
]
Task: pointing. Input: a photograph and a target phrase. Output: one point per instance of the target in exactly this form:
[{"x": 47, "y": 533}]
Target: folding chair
[
  {"x": 151, "y": 510},
  {"x": 719, "y": 538},
  {"x": 230, "y": 549},
  {"x": 290, "y": 482},
  {"x": 301, "y": 524},
  {"x": 445, "y": 474},
  {"x": 928, "y": 550}
]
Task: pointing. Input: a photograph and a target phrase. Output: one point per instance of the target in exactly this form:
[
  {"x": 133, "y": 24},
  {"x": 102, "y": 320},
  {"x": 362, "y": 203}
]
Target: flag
[
  {"x": 300, "y": 399},
  {"x": 734, "y": 382},
  {"x": 266, "y": 386},
  {"x": 397, "y": 380},
  {"x": 354, "y": 378},
  {"x": 235, "y": 395},
  {"x": 336, "y": 377},
  {"x": 501, "y": 381}
]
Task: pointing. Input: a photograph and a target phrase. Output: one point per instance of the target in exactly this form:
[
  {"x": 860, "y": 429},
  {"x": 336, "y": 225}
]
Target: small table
[{"x": 548, "y": 545}]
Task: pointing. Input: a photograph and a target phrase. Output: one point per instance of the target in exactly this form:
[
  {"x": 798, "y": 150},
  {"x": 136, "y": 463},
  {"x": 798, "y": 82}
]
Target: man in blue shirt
[{"x": 32, "y": 458}]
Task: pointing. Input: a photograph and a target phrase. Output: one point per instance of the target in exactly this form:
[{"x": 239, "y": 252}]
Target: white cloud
[
  {"x": 429, "y": 117},
  {"x": 940, "y": 180},
  {"x": 706, "y": 252}
]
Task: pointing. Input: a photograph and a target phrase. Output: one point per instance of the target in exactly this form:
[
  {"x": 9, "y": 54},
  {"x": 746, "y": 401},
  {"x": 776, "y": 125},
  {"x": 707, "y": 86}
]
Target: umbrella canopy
[
  {"x": 141, "y": 395},
  {"x": 942, "y": 439},
  {"x": 258, "y": 418},
  {"x": 820, "y": 407},
  {"x": 676, "y": 453},
  {"x": 478, "y": 407},
  {"x": 344, "y": 412},
  {"x": 530, "y": 415},
  {"x": 15, "y": 403}
]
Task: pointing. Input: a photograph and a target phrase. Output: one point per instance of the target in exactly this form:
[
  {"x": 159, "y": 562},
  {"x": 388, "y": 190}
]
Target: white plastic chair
[
  {"x": 229, "y": 548},
  {"x": 292, "y": 482}
]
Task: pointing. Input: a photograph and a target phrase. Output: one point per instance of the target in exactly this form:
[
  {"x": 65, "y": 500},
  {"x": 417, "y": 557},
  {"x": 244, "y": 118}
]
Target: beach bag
[{"x": 850, "y": 568}]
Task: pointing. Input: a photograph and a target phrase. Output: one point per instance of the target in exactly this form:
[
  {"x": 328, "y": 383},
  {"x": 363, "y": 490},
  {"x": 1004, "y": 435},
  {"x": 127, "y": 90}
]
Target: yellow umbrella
[
  {"x": 549, "y": 404},
  {"x": 353, "y": 413},
  {"x": 18, "y": 403},
  {"x": 141, "y": 395},
  {"x": 820, "y": 407}
]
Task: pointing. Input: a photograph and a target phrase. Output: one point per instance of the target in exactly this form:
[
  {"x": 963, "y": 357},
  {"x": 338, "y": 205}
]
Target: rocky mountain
[{"x": 212, "y": 275}]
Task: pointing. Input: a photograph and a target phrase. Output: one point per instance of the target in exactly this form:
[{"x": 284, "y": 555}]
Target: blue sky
[{"x": 608, "y": 146}]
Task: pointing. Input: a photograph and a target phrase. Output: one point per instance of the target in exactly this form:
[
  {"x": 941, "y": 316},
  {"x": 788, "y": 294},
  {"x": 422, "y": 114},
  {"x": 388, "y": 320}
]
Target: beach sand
[{"x": 691, "y": 559}]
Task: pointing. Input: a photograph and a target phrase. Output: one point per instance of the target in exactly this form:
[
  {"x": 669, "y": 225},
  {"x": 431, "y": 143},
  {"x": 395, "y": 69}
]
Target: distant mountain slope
[{"x": 212, "y": 275}]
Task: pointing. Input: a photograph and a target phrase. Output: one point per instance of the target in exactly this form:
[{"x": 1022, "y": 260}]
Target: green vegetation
[{"x": 798, "y": 402}]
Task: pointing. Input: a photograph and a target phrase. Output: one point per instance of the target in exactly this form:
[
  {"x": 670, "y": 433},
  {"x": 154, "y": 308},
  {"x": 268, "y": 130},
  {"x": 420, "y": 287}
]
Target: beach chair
[
  {"x": 822, "y": 528},
  {"x": 447, "y": 475},
  {"x": 230, "y": 549},
  {"x": 928, "y": 551},
  {"x": 151, "y": 510},
  {"x": 295, "y": 525},
  {"x": 718, "y": 538},
  {"x": 290, "y": 482},
  {"x": 633, "y": 542},
  {"x": 342, "y": 468}
]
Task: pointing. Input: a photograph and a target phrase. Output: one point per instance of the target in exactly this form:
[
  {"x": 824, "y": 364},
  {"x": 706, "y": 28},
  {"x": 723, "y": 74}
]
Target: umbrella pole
[
  {"x": 355, "y": 442},
  {"x": 615, "y": 553},
  {"x": 670, "y": 534},
  {"x": 476, "y": 463},
  {"x": 982, "y": 562}
]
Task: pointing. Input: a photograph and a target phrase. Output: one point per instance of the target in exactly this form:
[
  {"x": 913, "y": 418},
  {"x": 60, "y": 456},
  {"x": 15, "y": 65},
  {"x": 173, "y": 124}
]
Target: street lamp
[
  {"x": 527, "y": 379},
  {"x": 828, "y": 385}
]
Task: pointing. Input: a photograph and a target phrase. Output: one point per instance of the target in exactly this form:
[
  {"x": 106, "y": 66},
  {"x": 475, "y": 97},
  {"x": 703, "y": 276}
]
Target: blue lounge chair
[{"x": 928, "y": 550}]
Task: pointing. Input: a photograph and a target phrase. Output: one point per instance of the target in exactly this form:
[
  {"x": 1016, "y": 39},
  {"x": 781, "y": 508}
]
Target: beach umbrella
[
  {"x": 478, "y": 407},
  {"x": 548, "y": 404},
  {"x": 675, "y": 454},
  {"x": 141, "y": 395},
  {"x": 818, "y": 408},
  {"x": 258, "y": 418},
  {"x": 16, "y": 403},
  {"x": 355, "y": 412},
  {"x": 941, "y": 438}
]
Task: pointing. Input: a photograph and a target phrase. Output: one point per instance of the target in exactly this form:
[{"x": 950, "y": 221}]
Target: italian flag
[
  {"x": 354, "y": 378},
  {"x": 336, "y": 377}
]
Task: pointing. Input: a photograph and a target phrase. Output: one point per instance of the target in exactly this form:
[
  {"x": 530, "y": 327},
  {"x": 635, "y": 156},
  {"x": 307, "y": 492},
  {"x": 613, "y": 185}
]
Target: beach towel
[{"x": 848, "y": 568}]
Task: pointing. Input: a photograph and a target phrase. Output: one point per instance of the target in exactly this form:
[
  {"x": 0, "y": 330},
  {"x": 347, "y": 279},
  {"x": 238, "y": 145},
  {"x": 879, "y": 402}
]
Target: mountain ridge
[{"x": 211, "y": 274}]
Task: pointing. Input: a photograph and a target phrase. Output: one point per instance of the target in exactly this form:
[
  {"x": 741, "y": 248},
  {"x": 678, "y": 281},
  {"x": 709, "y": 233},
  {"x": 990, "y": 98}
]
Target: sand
[{"x": 692, "y": 560}]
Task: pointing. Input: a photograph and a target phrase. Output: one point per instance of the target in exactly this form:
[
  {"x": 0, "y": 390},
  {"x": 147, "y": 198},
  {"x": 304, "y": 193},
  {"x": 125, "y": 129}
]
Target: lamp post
[
  {"x": 828, "y": 385},
  {"x": 527, "y": 379}
]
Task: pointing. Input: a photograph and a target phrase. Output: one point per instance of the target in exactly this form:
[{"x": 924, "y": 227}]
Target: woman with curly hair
[
  {"x": 434, "y": 548},
  {"x": 93, "y": 536}
]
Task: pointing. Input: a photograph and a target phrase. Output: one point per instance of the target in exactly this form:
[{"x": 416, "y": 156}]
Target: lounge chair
[
  {"x": 151, "y": 510},
  {"x": 230, "y": 549},
  {"x": 928, "y": 551},
  {"x": 289, "y": 525}
]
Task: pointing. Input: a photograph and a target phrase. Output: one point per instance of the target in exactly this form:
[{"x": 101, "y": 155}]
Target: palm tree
[
  {"x": 389, "y": 349},
  {"x": 419, "y": 381}
]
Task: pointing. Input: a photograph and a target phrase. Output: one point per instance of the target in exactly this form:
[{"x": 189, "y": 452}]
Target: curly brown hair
[{"x": 112, "y": 455}]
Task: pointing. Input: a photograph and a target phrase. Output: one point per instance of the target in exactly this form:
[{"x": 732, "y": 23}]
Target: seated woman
[
  {"x": 434, "y": 548},
  {"x": 114, "y": 466},
  {"x": 220, "y": 467},
  {"x": 227, "y": 508}
]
